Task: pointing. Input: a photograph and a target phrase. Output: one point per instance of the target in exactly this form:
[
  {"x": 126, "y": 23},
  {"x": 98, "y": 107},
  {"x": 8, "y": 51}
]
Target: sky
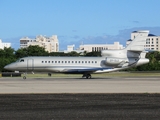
[{"x": 77, "y": 21}]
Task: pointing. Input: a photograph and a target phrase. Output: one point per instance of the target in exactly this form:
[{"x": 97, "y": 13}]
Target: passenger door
[{"x": 30, "y": 64}]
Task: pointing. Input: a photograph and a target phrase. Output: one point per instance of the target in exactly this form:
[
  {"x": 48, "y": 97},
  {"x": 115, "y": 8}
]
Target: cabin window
[
  {"x": 72, "y": 61},
  {"x": 52, "y": 61},
  {"x": 79, "y": 61},
  {"x": 75, "y": 61},
  {"x": 92, "y": 62},
  {"x": 58, "y": 61},
  {"x": 82, "y": 61},
  {"x": 65, "y": 61},
  {"x": 85, "y": 61},
  {"x": 22, "y": 60},
  {"x": 48, "y": 61},
  {"x": 62, "y": 61},
  {"x": 45, "y": 61},
  {"x": 95, "y": 61},
  {"x": 55, "y": 61},
  {"x": 42, "y": 61},
  {"x": 68, "y": 61},
  {"x": 88, "y": 61}
]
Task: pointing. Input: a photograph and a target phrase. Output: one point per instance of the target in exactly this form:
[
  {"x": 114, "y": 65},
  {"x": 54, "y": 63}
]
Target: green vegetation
[
  {"x": 6, "y": 56},
  {"x": 9, "y": 55}
]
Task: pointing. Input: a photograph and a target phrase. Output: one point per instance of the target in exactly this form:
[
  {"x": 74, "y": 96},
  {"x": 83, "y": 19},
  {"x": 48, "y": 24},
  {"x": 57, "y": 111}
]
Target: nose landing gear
[{"x": 24, "y": 77}]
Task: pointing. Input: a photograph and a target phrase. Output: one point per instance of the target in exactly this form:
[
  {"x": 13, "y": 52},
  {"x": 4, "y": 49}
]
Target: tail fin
[{"x": 138, "y": 43}]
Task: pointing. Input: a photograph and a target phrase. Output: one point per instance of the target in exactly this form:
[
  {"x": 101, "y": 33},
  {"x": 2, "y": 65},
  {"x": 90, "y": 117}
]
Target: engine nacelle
[{"x": 115, "y": 61}]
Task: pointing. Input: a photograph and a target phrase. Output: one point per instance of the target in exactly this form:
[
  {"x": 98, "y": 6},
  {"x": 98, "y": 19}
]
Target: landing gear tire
[
  {"x": 87, "y": 76},
  {"x": 24, "y": 77}
]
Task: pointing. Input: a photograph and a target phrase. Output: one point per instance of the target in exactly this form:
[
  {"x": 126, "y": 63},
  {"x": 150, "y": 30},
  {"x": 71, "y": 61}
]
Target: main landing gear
[{"x": 87, "y": 76}]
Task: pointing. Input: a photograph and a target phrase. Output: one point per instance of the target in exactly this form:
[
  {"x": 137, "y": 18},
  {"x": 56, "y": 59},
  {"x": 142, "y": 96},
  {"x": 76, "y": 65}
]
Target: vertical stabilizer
[{"x": 138, "y": 42}]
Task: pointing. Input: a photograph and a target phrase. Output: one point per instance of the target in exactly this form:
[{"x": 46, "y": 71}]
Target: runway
[
  {"x": 76, "y": 98},
  {"x": 79, "y": 85}
]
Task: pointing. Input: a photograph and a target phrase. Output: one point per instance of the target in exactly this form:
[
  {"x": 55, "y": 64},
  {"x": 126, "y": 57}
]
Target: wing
[{"x": 83, "y": 70}]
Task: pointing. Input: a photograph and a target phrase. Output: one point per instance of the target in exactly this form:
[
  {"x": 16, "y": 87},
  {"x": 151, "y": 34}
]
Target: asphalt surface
[
  {"x": 79, "y": 106},
  {"x": 79, "y": 85},
  {"x": 114, "y": 98}
]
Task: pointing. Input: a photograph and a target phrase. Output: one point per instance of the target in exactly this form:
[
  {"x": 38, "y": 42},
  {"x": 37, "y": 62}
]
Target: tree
[
  {"x": 31, "y": 51},
  {"x": 6, "y": 56},
  {"x": 36, "y": 51},
  {"x": 22, "y": 52},
  {"x": 93, "y": 54},
  {"x": 73, "y": 53}
]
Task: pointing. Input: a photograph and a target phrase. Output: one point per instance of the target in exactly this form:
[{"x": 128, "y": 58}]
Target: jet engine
[{"x": 115, "y": 61}]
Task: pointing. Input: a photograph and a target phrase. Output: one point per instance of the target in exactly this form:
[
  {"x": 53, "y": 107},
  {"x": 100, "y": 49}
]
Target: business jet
[{"x": 111, "y": 60}]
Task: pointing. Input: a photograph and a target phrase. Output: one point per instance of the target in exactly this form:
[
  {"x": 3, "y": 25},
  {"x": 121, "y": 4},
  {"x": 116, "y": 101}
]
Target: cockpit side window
[{"x": 21, "y": 60}]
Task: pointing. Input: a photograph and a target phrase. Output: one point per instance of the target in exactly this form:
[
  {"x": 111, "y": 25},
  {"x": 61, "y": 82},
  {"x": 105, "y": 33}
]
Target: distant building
[
  {"x": 50, "y": 44},
  {"x": 3, "y": 45},
  {"x": 152, "y": 41},
  {"x": 100, "y": 47},
  {"x": 71, "y": 48}
]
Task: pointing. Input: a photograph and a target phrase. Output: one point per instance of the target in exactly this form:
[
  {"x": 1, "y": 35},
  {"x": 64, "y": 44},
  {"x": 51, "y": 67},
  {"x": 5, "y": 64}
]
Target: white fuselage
[{"x": 74, "y": 64}]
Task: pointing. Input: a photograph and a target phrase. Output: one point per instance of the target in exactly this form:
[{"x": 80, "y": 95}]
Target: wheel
[
  {"x": 88, "y": 76},
  {"x": 24, "y": 77},
  {"x": 49, "y": 74}
]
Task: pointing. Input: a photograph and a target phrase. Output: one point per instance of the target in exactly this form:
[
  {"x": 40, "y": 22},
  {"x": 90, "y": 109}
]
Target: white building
[
  {"x": 50, "y": 44},
  {"x": 71, "y": 48},
  {"x": 3, "y": 45},
  {"x": 152, "y": 41},
  {"x": 100, "y": 47}
]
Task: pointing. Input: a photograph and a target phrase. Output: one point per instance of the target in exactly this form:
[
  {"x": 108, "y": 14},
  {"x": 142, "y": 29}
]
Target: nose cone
[{"x": 8, "y": 67}]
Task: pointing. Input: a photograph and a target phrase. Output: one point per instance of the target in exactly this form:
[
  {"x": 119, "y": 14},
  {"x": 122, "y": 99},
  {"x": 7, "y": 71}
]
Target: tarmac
[
  {"x": 117, "y": 98},
  {"x": 78, "y": 85}
]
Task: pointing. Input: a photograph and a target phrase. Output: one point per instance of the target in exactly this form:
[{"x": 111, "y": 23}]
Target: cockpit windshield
[{"x": 21, "y": 60}]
